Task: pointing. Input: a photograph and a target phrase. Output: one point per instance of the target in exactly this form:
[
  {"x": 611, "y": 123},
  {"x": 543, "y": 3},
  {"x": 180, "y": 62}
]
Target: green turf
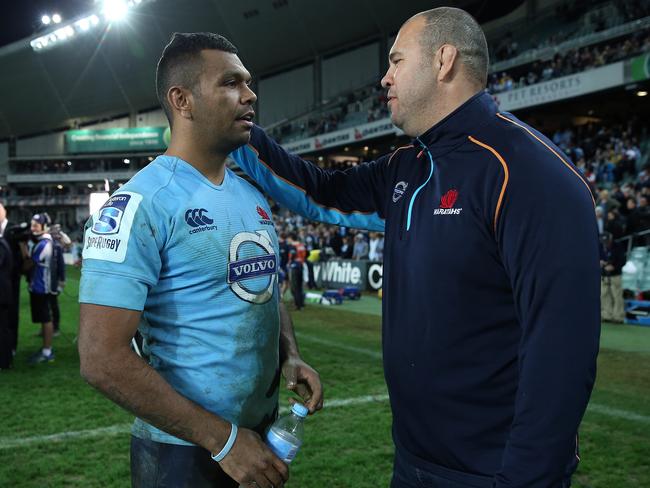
[{"x": 346, "y": 446}]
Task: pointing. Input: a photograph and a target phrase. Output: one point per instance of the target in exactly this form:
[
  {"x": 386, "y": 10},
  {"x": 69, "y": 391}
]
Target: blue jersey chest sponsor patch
[{"x": 252, "y": 278}]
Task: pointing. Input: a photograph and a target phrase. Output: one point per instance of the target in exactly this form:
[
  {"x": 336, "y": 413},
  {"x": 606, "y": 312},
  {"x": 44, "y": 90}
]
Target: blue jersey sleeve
[
  {"x": 121, "y": 253},
  {"x": 352, "y": 198}
]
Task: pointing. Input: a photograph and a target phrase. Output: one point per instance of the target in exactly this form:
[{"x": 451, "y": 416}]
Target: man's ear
[
  {"x": 445, "y": 61},
  {"x": 181, "y": 101}
]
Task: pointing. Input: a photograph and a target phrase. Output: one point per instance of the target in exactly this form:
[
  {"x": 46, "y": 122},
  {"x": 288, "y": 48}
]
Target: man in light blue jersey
[{"x": 186, "y": 253}]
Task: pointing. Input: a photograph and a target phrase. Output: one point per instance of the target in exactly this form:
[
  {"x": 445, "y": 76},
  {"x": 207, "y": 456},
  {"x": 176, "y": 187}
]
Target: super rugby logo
[
  {"x": 110, "y": 215},
  {"x": 399, "y": 190},
  {"x": 198, "y": 218},
  {"x": 244, "y": 273},
  {"x": 447, "y": 203}
]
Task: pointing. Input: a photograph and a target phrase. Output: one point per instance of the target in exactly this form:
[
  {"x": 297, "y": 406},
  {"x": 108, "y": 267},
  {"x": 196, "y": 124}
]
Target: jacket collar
[{"x": 453, "y": 130}]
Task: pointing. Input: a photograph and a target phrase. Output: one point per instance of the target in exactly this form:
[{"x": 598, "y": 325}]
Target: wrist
[{"x": 225, "y": 449}]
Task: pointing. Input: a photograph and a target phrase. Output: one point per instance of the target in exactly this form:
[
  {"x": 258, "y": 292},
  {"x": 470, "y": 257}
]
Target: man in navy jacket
[{"x": 491, "y": 280}]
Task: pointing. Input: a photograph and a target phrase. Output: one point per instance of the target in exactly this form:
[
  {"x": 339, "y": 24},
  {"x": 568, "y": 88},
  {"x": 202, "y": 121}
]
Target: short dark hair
[
  {"x": 180, "y": 63},
  {"x": 449, "y": 25}
]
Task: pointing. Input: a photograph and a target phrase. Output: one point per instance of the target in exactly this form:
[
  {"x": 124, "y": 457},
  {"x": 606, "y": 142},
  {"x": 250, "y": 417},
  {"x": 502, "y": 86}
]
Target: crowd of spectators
[
  {"x": 579, "y": 24},
  {"x": 370, "y": 102},
  {"x": 570, "y": 62}
]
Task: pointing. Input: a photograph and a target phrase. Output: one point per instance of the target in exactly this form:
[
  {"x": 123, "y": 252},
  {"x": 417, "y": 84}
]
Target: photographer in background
[
  {"x": 6, "y": 266},
  {"x": 13, "y": 234},
  {"x": 39, "y": 265}
]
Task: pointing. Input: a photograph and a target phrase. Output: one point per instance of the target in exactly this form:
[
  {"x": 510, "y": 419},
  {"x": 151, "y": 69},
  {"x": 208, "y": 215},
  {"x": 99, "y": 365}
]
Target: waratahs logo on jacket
[
  {"x": 252, "y": 266},
  {"x": 266, "y": 220},
  {"x": 447, "y": 202}
]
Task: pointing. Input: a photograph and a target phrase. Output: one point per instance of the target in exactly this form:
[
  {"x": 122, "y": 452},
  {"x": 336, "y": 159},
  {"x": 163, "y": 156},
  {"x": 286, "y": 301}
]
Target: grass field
[{"x": 55, "y": 431}]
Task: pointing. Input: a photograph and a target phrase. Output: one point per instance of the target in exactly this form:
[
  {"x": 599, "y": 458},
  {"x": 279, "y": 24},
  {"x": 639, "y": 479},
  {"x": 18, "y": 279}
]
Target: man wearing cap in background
[{"x": 39, "y": 266}]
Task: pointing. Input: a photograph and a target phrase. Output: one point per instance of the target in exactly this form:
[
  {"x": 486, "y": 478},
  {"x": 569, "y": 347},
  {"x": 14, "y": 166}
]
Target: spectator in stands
[
  {"x": 348, "y": 247},
  {"x": 376, "y": 248},
  {"x": 612, "y": 260},
  {"x": 39, "y": 264},
  {"x": 297, "y": 258},
  {"x": 360, "y": 250}
]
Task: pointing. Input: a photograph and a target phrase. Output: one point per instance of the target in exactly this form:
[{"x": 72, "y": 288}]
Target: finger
[
  {"x": 316, "y": 396},
  {"x": 281, "y": 468},
  {"x": 273, "y": 476}
]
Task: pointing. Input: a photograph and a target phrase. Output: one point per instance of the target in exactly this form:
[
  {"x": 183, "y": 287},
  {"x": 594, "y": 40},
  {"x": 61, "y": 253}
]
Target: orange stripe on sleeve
[
  {"x": 395, "y": 152},
  {"x": 505, "y": 178},
  {"x": 553, "y": 151}
]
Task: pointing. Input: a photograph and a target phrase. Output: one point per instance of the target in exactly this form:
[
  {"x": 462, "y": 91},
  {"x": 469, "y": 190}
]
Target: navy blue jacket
[{"x": 491, "y": 309}]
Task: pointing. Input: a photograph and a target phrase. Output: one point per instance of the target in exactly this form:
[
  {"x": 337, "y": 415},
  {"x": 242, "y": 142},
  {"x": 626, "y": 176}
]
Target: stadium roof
[{"x": 110, "y": 70}]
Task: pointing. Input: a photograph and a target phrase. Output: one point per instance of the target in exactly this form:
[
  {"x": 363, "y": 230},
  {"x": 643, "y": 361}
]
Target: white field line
[
  {"x": 324, "y": 342},
  {"x": 10, "y": 442},
  {"x": 119, "y": 429}
]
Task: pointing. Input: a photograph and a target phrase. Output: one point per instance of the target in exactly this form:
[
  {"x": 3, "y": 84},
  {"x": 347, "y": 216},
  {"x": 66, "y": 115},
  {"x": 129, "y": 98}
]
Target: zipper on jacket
[{"x": 415, "y": 193}]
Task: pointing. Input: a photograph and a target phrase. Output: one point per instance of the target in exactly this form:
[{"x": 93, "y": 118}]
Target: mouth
[{"x": 247, "y": 118}]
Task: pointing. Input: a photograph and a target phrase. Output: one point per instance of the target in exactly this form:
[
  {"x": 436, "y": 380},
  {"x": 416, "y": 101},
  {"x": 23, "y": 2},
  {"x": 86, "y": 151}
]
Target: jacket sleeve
[
  {"x": 352, "y": 198},
  {"x": 548, "y": 240}
]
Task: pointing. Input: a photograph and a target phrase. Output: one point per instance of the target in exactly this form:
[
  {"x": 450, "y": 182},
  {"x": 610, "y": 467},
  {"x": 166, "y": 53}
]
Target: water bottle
[{"x": 285, "y": 435}]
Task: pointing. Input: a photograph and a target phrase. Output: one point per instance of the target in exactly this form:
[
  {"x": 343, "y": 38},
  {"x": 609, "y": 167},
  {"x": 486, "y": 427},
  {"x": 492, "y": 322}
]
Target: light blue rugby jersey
[{"x": 200, "y": 261}]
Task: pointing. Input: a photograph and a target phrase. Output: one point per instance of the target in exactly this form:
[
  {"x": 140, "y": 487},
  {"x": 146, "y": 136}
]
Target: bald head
[
  {"x": 3, "y": 213},
  {"x": 448, "y": 25}
]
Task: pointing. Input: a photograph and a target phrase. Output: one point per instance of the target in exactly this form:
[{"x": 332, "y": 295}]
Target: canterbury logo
[{"x": 196, "y": 217}]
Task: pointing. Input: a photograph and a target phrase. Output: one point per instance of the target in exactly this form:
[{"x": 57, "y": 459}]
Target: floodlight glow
[
  {"x": 94, "y": 20},
  {"x": 115, "y": 10},
  {"x": 97, "y": 200},
  {"x": 46, "y": 20},
  {"x": 60, "y": 187},
  {"x": 83, "y": 24},
  {"x": 127, "y": 161},
  {"x": 56, "y": 18},
  {"x": 641, "y": 93}
]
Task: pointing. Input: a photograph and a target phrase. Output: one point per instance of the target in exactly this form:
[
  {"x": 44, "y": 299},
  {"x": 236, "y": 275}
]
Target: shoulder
[{"x": 526, "y": 155}]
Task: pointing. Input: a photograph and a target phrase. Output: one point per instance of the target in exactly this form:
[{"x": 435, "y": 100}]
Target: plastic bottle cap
[{"x": 300, "y": 410}]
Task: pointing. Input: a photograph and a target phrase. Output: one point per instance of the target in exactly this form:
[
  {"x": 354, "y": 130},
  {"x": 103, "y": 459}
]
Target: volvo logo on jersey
[
  {"x": 447, "y": 203},
  {"x": 199, "y": 220},
  {"x": 110, "y": 215},
  {"x": 252, "y": 266}
]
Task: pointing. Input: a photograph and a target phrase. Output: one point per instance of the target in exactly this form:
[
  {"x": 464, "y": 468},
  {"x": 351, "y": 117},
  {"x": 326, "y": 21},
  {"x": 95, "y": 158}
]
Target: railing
[
  {"x": 46, "y": 201},
  {"x": 548, "y": 52},
  {"x": 631, "y": 238}
]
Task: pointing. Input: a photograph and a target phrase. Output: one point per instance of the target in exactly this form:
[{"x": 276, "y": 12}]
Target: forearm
[
  {"x": 353, "y": 198},
  {"x": 134, "y": 385},
  {"x": 288, "y": 343}
]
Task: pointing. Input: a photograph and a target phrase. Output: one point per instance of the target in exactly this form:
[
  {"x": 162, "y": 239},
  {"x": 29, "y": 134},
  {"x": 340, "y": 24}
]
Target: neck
[
  {"x": 448, "y": 102},
  {"x": 209, "y": 162}
]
